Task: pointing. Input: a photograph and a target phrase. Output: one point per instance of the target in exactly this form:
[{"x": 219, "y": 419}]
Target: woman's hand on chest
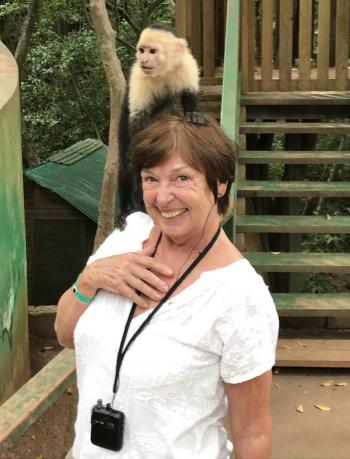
[{"x": 134, "y": 275}]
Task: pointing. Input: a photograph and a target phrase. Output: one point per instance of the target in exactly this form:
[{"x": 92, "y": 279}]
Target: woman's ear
[{"x": 221, "y": 189}]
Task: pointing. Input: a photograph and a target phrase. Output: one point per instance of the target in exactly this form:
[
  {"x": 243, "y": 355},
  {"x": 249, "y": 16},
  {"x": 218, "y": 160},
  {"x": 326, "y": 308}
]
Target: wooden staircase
[
  {"x": 277, "y": 110},
  {"x": 320, "y": 348}
]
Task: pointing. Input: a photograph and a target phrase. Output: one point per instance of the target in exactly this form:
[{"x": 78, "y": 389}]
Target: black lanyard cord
[{"x": 122, "y": 352}]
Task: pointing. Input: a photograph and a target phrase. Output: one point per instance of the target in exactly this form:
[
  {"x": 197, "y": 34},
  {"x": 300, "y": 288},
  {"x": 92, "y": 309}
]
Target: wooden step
[
  {"x": 294, "y": 157},
  {"x": 297, "y": 98},
  {"x": 299, "y": 262},
  {"x": 259, "y": 127},
  {"x": 258, "y": 188},
  {"x": 307, "y": 352},
  {"x": 292, "y": 224},
  {"x": 312, "y": 305}
]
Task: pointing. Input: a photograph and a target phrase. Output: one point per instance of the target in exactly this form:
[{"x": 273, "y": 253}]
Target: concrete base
[
  {"x": 41, "y": 321},
  {"x": 314, "y": 434}
]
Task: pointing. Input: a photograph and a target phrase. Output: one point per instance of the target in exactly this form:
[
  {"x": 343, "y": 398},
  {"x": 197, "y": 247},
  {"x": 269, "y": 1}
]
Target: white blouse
[{"x": 222, "y": 328}]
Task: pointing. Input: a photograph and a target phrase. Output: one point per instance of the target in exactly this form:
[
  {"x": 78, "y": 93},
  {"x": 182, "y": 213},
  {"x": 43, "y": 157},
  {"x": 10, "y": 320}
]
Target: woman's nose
[{"x": 164, "y": 194}]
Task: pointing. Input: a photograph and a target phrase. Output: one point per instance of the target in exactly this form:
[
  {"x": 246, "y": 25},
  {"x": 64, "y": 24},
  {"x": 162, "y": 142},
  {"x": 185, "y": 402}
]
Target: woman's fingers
[
  {"x": 148, "y": 284},
  {"x": 150, "y": 263}
]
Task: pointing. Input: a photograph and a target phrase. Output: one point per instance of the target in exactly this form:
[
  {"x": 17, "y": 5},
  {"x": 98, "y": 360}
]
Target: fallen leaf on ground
[
  {"x": 300, "y": 409},
  {"x": 33, "y": 437},
  {"x": 341, "y": 384},
  {"x": 323, "y": 407},
  {"x": 277, "y": 385},
  {"x": 48, "y": 348},
  {"x": 70, "y": 390},
  {"x": 303, "y": 344},
  {"x": 328, "y": 217},
  {"x": 327, "y": 383}
]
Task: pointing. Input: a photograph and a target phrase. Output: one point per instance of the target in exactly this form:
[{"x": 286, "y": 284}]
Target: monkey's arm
[{"x": 189, "y": 105}]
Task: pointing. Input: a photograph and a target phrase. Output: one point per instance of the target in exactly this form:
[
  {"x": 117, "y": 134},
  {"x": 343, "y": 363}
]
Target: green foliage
[{"x": 65, "y": 94}]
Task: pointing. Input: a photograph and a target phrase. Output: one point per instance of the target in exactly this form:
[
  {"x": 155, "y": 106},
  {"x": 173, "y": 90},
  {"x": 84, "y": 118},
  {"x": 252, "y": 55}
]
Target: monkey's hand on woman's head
[{"x": 195, "y": 117}]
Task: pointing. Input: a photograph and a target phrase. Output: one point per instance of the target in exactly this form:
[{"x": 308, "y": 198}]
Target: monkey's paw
[{"x": 195, "y": 117}]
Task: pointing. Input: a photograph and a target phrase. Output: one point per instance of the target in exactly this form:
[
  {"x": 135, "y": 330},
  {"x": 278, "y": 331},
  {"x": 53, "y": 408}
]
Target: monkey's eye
[
  {"x": 142, "y": 50},
  {"x": 153, "y": 50}
]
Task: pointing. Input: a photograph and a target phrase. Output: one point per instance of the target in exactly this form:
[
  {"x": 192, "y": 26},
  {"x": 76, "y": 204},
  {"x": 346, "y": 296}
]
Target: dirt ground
[{"x": 313, "y": 433}]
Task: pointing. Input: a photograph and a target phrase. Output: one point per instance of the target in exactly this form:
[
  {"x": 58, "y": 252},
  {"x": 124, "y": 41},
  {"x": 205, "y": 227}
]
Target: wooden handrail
[
  {"x": 231, "y": 90},
  {"x": 288, "y": 46},
  {"x": 24, "y": 407}
]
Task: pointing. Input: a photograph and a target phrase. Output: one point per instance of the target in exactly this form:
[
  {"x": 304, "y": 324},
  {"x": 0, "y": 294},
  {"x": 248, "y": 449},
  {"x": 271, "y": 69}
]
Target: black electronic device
[{"x": 107, "y": 426}]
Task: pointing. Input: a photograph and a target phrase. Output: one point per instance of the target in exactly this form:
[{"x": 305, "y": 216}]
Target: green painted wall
[{"x": 14, "y": 354}]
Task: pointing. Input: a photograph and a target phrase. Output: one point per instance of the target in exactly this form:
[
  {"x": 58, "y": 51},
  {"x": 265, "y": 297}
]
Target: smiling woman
[{"x": 168, "y": 320}]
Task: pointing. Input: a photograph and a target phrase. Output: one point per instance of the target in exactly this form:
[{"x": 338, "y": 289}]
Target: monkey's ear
[{"x": 181, "y": 44}]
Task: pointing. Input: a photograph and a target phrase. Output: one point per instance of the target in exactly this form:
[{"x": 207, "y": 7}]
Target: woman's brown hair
[{"x": 205, "y": 148}]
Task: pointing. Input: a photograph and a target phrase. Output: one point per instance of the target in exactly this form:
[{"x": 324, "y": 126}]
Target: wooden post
[
  {"x": 305, "y": 43},
  {"x": 267, "y": 45},
  {"x": 342, "y": 44},
  {"x": 208, "y": 38},
  {"x": 285, "y": 44},
  {"x": 324, "y": 28}
]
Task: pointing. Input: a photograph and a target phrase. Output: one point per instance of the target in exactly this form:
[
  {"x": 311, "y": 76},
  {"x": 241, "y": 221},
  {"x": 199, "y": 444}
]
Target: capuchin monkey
[{"x": 164, "y": 71}]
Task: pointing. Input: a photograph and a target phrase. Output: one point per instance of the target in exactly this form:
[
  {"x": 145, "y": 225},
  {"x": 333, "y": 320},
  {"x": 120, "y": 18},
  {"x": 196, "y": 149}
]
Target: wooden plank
[
  {"x": 257, "y": 188},
  {"x": 197, "y": 42},
  {"x": 305, "y": 43},
  {"x": 29, "y": 402},
  {"x": 180, "y": 18},
  {"x": 215, "y": 81},
  {"x": 251, "y": 41},
  {"x": 208, "y": 38},
  {"x": 298, "y": 112},
  {"x": 297, "y": 98},
  {"x": 244, "y": 45},
  {"x": 312, "y": 305},
  {"x": 324, "y": 28},
  {"x": 284, "y": 262},
  {"x": 294, "y": 157},
  {"x": 306, "y": 352},
  {"x": 292, "y": 224},
  {"x": 342, "y": 43},
  {"x": 294, "y": 128},
  {"x": 285, "y": 43},
  {"x": 266, "y": 45}
]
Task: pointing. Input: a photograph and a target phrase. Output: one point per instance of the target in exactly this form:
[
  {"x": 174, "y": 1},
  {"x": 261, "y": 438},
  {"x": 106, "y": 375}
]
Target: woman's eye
[
  {"x": 149, "y": 179},
  {"x": 182, "y": 178}
]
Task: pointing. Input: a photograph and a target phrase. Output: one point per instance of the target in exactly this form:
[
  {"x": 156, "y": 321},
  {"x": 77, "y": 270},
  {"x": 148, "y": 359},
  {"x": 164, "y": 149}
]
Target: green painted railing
[
  {"x": 32, "y": 399},
  {"x": 231, "y": 91}
]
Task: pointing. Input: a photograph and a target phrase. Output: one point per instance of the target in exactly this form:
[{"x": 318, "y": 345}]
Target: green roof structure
[{"x": 75, "y": 174}]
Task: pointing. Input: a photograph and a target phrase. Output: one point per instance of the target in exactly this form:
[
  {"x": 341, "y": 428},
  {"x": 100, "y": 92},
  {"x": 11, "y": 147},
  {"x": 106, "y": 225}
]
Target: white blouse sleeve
[
  {"x": 137, "y": 228},
  {"x": 248, "y": 330}
]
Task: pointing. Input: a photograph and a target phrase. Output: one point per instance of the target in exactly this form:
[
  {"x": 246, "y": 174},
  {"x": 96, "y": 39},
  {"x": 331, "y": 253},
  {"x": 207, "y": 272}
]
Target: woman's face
[{"x": 178, "y": 198}]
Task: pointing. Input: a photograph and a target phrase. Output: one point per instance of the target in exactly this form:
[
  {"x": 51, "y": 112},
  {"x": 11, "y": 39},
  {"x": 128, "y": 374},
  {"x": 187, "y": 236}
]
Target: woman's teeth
[{"x": 173, "y": 213}]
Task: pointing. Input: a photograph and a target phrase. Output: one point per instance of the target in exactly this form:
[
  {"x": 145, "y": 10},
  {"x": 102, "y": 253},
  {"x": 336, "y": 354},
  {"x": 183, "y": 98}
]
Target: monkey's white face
[
  {"x": 149, "y": 59},
  {"x": 178, "y": 198}
]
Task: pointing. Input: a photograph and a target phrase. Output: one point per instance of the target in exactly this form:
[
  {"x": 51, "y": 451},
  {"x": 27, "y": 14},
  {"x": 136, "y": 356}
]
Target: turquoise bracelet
[{"x": 80, "y": 296}]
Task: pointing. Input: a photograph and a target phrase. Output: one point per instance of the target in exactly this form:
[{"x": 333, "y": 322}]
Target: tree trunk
[
  {"x": 26, "y": 35},
  {"x": 30, "y": 156},
  {"x": 106, "y": 38}
]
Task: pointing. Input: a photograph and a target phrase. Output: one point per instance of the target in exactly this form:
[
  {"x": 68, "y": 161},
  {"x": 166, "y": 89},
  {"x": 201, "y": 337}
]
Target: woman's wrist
[{"x": 84, "y": 287}]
